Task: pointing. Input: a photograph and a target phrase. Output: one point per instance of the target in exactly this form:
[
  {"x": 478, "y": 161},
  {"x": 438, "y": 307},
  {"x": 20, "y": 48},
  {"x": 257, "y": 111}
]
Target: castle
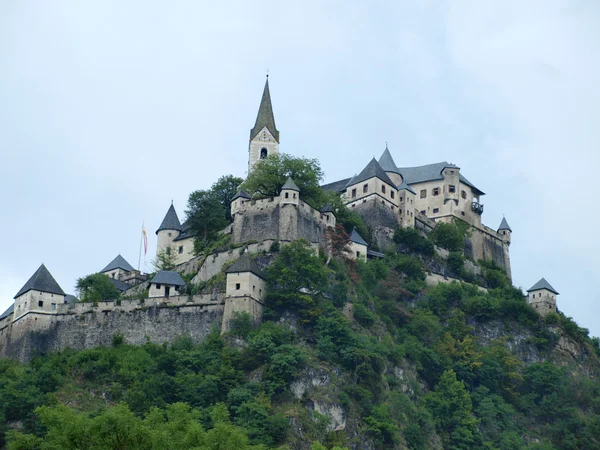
[{"x": 387, "y": 196}]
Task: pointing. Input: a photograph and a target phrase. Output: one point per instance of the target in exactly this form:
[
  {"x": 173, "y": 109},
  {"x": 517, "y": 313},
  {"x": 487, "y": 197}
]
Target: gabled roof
[
  {"x": 169, "y": 278},
  {"x": 357, "y": 238},
  {"x": 8, "y": 312},
  {"x": 407, "y": 187},
  {"x": 265, "y": 117},
  {"x": 245, "y": 264},
  {"x": 504, "y": 225},
  {"x": 289, "y": 184},
  {"x": 171, "y": 221},
  {"x": 41, "y": 281},
  {"x": 542, "y": 284},
  {"x": 120, "y": 285},
  {"x": 338, "y": 186},
  {"x": 372, "y": 170},
  {"x": 118, "y": 263},
  {"x": 431, "y": 172},
  {"x": 387, "y": 162},
  {"x": 241, "y": 193}
]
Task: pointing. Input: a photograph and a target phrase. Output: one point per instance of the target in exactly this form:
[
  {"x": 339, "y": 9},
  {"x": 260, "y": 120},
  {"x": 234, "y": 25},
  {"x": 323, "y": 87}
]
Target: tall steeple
[{"x": 264, "y": 136}]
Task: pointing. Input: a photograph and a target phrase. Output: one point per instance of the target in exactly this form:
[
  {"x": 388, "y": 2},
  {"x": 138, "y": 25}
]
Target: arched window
[{"x": 263, "y": 153}]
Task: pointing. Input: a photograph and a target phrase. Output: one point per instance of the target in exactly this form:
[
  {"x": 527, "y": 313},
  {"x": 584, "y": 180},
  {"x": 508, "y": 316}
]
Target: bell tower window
[{"x": 263, "y": 153}]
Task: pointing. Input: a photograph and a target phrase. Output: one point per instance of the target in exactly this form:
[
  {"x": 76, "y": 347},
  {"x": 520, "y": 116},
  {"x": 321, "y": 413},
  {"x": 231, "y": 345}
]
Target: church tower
[{"x": 264, "y": 137}]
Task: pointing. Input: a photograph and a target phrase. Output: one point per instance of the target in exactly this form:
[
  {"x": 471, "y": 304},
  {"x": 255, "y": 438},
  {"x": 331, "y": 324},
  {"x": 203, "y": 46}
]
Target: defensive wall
[{"x": 84, "y": 325}]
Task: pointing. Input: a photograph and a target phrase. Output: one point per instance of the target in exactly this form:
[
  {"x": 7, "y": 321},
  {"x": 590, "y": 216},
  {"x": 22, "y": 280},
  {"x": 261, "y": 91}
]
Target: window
[
  {"x": 294, "y": 195},
  {"x": 436, "y": 191},
  {"x": 157, "y": 286},
  {"x": 41, "y": 304},
  {"x": 358, "y": 254},
  {"x": 237, "y": 286},
  {"x": 452, "y": 188},
  {"x": 392, "y": 194},
  {"x": 287, "y": 195},
  {"x": 53, "y": 306},
  {"x": 260, "y": 292},
  {"x": 383, "y": 189},
  {"x": 452, "y": 172},
  {"x": 436, "y": 210},
  {"x": 365, "y": 188},
  {"x": 401, "y": 198},
  {"x": 423, "y": 212},
  {"x": 170, "y": 234},
  {"x": 463, "y": 194},
  {"x": 353, "y": 193},
  {"x": 253, "y": 288},
  {"x": 423, "y": 193},
  {"x": 180, "y": 249},
  {"x": 263, "y": 153},
  {"x": 462, "y": 213}
]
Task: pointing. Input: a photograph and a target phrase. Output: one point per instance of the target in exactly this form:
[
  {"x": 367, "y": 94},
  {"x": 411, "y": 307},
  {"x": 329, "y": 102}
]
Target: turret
[
  {"x": 505, "y": 231},
  {"x": 264, "y": 136},
  {"x": 290, "y": 193},
  {"x": 169, "y": 229},
  {"x": 542, "y": 296},
  {"x": 391, "y": 169},
  {"x": 117, "y": 268},
  {"x": 238, "y": 200},
  {"x": 41, "y": 293},
  {"x": 329, "y": 214},
  {"x": 358, "y": 246},
  {"x": 406, "y": 206}
]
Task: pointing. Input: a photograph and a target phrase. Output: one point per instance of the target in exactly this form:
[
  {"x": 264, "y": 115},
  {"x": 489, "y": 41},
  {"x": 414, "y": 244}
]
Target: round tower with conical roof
[{"x": 169, "y": 229}]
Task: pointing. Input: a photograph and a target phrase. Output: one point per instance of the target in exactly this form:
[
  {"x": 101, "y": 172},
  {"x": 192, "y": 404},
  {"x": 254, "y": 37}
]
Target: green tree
[
  {"x": 270, "y": 174},
  {"x": 450, "y": 236},
  {"x": 166, "y": 259},
  {"x": 96, "y": 287},
  {"x": 224, "y": 189},
  {"x": 206, "y": 217}
]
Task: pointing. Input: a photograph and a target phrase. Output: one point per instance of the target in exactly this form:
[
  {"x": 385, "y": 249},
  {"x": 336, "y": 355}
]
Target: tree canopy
[
  {"x": 96, "y": 287},
  {"x": 270, "y": 174}
]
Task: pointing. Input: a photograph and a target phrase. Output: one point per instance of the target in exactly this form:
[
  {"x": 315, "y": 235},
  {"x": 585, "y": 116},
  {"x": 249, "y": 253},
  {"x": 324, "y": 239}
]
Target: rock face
[{"x": 37, "y": 334}]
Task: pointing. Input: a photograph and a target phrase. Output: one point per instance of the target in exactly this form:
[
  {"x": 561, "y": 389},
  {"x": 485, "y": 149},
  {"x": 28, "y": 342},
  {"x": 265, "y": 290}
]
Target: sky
[{"x": 109, "y": 110}]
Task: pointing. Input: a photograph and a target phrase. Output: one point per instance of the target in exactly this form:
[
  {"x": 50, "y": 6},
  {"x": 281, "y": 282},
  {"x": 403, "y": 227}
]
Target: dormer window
[{"x": 263, "y": 153}]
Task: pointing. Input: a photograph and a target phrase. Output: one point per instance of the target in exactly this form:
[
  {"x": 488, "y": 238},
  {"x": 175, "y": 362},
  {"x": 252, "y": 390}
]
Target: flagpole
[{"x": 141, "y": 239}]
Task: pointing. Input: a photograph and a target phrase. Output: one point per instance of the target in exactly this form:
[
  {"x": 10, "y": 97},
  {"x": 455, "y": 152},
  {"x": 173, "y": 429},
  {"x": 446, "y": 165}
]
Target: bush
[
  {"x": 450, "y": 236},
  {"x": 456, "y": 262},
  {"x": 414, "y": 241},
  {"x": 363, "y": 315}
]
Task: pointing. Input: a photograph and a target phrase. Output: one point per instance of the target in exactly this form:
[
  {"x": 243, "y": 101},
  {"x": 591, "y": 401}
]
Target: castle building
[
  {"x": 122, "y": 274},
  {"x": 358, "y": 246},
  {"x": 41, "y": 294},
  {"x": 245, "y": 290},
  {"x": 542, "y": 297},
  {"x": 165, "y": 284},
  {"x": 173, "y": 235}
]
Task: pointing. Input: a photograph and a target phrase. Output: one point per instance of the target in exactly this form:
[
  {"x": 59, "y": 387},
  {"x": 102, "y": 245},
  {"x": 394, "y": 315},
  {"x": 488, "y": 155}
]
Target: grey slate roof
[
  {"x": 504, "y": 225},
  {"x": 406, "y": 186},
  {"x": 542, "y": 284},
  {"x": 387, "y": 162},
  {"x": 118, "y": 263},
  {"x": 327, "y": 208},
  {"x": 70, "y": 299},
  {"x": 169, "y": 278},
  {"x": 245, "y": 264},
  {"x": 171, "y": 221},
  {"x": 242, "y": 194},
  {"x": 265, "y": 117},
  {"x": 8, "y": 312},
  {"x": 289, "y": 184},
  {"x": 373, "y": 169},
  {"x": 185, "y": 232},
  {"x": 431, "y": 172},
  {"x": 41, "y": 281},
  {"x": 337, "y": 186},
  {"x": 357, "y": 238},
  {"x": 119, "y": 284}
]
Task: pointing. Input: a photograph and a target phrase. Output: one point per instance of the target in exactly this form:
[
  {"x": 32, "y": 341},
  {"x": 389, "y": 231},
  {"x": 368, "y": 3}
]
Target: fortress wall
[
  {"x": 36, "y": 333},
  {"x": 482, "y": 244},
  {"x": 257, "y": 224}
]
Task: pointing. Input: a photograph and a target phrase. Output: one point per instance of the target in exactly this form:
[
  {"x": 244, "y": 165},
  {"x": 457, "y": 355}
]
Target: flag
[{"x": 145, "y": 238}]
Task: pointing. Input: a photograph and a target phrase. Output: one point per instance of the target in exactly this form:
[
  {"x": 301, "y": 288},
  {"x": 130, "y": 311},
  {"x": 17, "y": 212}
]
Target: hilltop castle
[{"x": 44, "y": 318}]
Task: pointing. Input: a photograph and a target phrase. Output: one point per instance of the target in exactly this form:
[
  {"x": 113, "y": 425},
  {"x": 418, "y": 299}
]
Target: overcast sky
[{"x": 110, "y": 109}]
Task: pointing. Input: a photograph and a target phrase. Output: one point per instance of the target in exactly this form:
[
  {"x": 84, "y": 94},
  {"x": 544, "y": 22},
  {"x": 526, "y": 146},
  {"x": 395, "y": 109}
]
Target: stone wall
[
  {"x": 485, "y": 244},
  {"x": 86, "y": 326}
]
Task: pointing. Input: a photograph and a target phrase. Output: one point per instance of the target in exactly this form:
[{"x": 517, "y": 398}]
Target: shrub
[
  {"x": 414, "y": 241},
  {"x": 450, "y": 236},
  {"x": 363, "y": 315}
]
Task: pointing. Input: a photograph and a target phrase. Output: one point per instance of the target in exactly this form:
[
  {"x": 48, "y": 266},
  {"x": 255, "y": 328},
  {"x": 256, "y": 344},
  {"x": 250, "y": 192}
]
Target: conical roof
[
  {"x": 357, "y": 238},
  {"x": 41, "y": 281},
  {"x": 289, "y": 184},
  {"x": 542, "y": 284},
  {"x": 372, "y": 170},
  {"x": 387, "y": 162},
  {"x": 118, "y": 263},
  {"x": 265, "y": 117},
  {"x": 504, "y": 225},
  {"x": 245, "y": 264},
  {"x": 171, "y": 221},
  {"x": 242, "y": 194}
]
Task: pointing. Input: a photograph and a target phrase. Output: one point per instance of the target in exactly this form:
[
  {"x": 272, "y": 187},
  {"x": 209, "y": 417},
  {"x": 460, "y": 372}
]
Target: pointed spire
[
  {"x": 171, "y": 221},
  {"x": 504, "y": 225},
  {"x": 542, "y": 284},
  {"x": 290, "y": 185},
  {"x": 387, "y": 162},
  {"x": 265, "y": 117},
  {"x": 43, "y": 281}
]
